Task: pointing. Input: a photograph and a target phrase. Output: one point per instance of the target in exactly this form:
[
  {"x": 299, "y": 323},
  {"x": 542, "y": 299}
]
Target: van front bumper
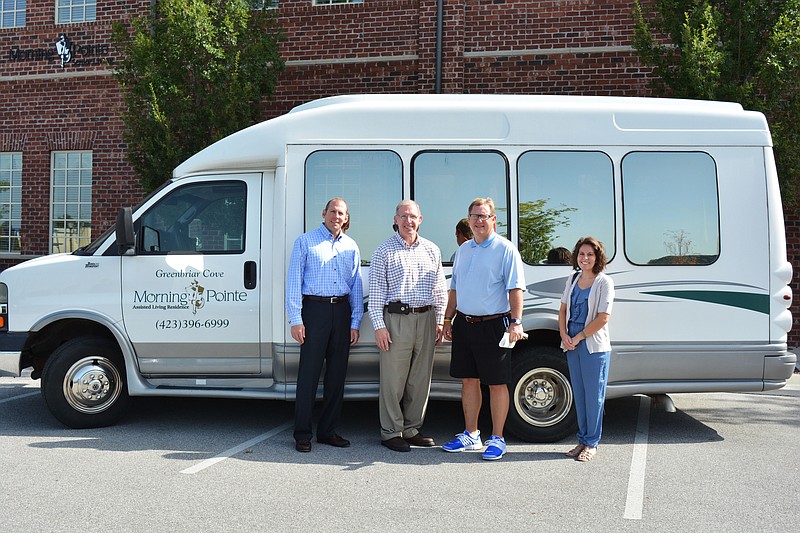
[{"x": 11, "y": 345}]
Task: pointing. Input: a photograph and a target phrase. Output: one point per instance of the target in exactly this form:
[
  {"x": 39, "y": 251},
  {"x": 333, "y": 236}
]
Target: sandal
[
  {"x": 587, "y": 454},
  {"x": 576, "y": 451}
]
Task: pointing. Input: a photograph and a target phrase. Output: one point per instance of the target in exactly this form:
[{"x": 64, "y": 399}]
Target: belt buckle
[{"x": 334, "y": 299}]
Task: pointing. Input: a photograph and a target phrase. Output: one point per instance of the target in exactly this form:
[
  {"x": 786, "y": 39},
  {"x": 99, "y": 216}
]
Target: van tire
[
  {"x": 83, "y": 383},
  {"x": 541, "y": 407}
]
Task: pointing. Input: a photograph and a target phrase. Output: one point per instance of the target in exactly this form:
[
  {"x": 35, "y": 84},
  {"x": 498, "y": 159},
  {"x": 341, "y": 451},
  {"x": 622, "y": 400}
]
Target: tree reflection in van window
[
  {"x": 538, "y": 226},
  {"x": 563, "y": 196}
]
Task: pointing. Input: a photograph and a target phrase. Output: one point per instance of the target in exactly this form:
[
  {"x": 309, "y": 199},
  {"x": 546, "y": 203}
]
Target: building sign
[
  {"x": 64, "y": 49},
  {"x": 64, "y": 52}
]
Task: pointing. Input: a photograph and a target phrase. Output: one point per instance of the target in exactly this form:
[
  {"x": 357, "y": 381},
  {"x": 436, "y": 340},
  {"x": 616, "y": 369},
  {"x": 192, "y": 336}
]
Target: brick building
[{"x": 61, "y": 148}]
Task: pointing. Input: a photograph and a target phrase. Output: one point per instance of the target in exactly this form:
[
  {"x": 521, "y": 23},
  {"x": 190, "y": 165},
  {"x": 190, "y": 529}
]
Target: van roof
[{"x": 457, "y": 120}]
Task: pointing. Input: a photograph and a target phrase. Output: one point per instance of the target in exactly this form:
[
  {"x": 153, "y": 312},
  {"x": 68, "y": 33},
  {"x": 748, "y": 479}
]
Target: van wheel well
[
  {"x": 42, "y": 343},
  {"x": 542, "y": 407},
  {"x": 83, "y": 383}
]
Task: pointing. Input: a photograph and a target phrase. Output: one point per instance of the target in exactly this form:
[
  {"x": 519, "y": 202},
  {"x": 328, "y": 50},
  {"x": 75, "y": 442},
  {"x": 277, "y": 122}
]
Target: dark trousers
[{"x": 327, "y": 341}]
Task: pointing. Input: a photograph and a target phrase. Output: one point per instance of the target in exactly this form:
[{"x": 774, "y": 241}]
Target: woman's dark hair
[
  {"x": 463, "y": 228},
  {"x": 559, "y": 256},
  {"x": 599, "y": 253}
]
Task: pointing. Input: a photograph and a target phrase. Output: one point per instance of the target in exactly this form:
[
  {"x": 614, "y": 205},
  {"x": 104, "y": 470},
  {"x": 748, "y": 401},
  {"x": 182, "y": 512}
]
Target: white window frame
[
  {"x": 10, "y": 201},
  {"x": 77, "y": 11},
  {"x": 263, "y": 4},
  {"x": 333, "y": 2},
  {"x": 17, "y": 12},
  {"x": 70, "y": 177}
]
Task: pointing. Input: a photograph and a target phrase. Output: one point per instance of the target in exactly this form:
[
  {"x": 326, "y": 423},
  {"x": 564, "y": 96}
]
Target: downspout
[{"x": 438, "y": 88}]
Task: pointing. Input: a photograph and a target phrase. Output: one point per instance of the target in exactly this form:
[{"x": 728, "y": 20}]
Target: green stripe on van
[{"x": 745, "y": 300}]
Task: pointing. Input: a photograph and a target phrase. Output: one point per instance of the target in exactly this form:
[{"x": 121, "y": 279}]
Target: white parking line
[
  {"x": 635, "y": 500},
  {"x": 237, "y": 449},
  {"x": 19, "y": 397}
]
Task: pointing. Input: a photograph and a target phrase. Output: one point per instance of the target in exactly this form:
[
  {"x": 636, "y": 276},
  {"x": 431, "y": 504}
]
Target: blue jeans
[{"x": 589, "y": 376}]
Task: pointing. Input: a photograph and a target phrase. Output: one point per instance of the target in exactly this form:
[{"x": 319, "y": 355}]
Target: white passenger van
[{"x": 186, "y": 298}]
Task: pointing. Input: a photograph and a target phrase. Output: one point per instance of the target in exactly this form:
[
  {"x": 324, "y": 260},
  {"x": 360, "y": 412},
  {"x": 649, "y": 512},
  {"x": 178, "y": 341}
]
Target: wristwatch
[{"x": 516, "y": 321}]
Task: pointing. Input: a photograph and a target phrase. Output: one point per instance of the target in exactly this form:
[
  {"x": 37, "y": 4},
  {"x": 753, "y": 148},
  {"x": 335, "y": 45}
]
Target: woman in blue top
[{"x": 583, "y": 322}]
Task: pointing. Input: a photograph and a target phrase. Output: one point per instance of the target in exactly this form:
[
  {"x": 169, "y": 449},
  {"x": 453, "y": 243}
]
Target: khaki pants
[{"x": 406, "y": 373}]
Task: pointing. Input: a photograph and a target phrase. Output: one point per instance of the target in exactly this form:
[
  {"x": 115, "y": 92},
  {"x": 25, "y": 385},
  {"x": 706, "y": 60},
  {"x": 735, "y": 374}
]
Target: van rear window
[{"x": 670, "y": 208}]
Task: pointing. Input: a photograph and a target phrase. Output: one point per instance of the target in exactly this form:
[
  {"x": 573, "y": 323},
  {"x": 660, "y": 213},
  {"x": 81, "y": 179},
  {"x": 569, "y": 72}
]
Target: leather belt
[
  {"x": 475, "y": 319},
  {"x": 327, "y": 299},
  {"x": 423, "y": 309}
]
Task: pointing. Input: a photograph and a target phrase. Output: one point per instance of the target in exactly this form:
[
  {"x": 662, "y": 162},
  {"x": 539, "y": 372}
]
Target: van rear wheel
[
  {"x": 83, "y": 383},
  {"x": 542, "y": 407}
]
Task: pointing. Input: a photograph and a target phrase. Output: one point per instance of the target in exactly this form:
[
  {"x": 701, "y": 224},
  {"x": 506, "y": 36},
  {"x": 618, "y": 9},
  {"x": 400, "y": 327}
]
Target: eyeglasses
[
  {"x": 410, "y": 217},
  {"x": 481, "y": 217}
]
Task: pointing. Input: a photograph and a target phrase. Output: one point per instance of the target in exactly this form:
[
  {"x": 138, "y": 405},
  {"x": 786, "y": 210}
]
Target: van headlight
[{"x": 3, "y": 307}]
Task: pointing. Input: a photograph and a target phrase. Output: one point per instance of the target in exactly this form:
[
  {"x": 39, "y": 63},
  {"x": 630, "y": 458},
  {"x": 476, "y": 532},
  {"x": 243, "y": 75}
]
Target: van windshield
[{"x": 91, "y": 248}]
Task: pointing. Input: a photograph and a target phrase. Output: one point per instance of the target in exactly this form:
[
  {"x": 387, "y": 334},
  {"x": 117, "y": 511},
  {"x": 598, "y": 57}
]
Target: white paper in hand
[{"x": 505, "y": 343}]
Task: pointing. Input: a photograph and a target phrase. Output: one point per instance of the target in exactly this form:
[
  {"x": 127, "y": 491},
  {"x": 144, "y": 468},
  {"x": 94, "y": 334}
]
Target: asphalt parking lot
[{"x": 722, "y": 462}]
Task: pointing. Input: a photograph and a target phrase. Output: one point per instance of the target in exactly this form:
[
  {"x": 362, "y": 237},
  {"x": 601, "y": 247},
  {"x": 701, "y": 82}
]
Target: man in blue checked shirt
[
  {"x": 325, "y": 303},
  {"x": 407, "y": 295}
]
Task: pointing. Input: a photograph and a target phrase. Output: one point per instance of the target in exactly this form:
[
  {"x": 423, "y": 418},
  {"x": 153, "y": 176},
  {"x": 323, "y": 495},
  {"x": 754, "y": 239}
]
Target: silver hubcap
[
  {"x": 543, "y": 397},
  {"x": 92, "y": 385}
]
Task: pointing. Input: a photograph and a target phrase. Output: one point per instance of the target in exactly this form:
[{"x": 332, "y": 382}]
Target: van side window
[
  {"x": 564, "y": 196},
  {"x": 444, "y": 183},
  {"x": 201, "y": 217},
  {"x": 670, "y": 208},
  {"x": 371, "y": 182}
]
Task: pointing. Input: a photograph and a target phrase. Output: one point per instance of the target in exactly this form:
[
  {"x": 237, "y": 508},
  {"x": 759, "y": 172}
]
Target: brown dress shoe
[
  {"x": 397, "y": 444},
  {"x": 420, "y": 440},
  {"x": 334, "y": 440},
  {"x": 302, "y": 445}
]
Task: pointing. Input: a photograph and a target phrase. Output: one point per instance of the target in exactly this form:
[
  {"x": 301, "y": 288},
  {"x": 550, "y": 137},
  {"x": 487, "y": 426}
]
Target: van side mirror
[{"x": 125, "y": 238}]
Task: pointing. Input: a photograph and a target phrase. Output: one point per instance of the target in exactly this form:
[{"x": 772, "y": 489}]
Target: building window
[
  {"x": 10, "y": 201},
  {"x": 71, "y": 215},
  {"x": 445, "y": 183},
  {"x": 371, "y": 182},
  {"x": 670, "y": 207},
  {"x": 70, "y": 11},
  {"x": 263, "y": 4},
  {"x": 331, "y": 2},
  {"x": 12, "y": 13},
  {"x": 564, "y": 196}
]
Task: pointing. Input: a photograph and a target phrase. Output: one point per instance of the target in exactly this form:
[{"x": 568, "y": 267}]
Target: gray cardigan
[{"x": 601, "y": 299}]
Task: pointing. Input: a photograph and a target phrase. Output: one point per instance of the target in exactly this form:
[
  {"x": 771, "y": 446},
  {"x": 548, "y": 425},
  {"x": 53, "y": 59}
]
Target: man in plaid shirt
[{"x": 407, "y": 296}]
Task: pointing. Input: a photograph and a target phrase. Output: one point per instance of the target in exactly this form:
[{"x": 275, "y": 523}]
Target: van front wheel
[
  {"x": 542, "y": 407},
  {"x": 83, "y": 383}
]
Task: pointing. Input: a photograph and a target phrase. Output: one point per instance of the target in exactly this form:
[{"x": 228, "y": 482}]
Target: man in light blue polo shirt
[{"x": 485, "y": 302}]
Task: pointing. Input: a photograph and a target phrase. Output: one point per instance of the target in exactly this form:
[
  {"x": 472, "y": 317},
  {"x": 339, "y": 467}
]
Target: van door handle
[{"x": 250, "y": 274}]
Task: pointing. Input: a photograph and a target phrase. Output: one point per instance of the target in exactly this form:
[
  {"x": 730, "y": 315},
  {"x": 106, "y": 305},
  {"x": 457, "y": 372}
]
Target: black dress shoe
[
  {"x": 420, "y": 440},
  {"x": 397, "y": 444},
  {"x": 334, "y": 440},
  {"x": 303, "y": 445}
]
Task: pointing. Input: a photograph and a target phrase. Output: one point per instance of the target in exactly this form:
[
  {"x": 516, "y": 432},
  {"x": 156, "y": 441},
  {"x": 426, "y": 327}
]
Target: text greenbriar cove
[{"x": 207, "y": 273}]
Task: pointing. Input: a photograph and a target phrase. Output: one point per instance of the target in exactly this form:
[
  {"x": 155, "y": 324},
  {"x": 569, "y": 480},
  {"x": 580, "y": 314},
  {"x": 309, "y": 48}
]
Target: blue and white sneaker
[
  {"x": 463, "y": 441},
  {"x": 495, "y": 448}
]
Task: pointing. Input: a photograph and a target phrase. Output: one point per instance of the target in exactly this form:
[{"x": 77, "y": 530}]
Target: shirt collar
[
  {"x": 403, "y": 242},
  {"x": 327, "y": 233},
  {"x": 485, "y": 243}
]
